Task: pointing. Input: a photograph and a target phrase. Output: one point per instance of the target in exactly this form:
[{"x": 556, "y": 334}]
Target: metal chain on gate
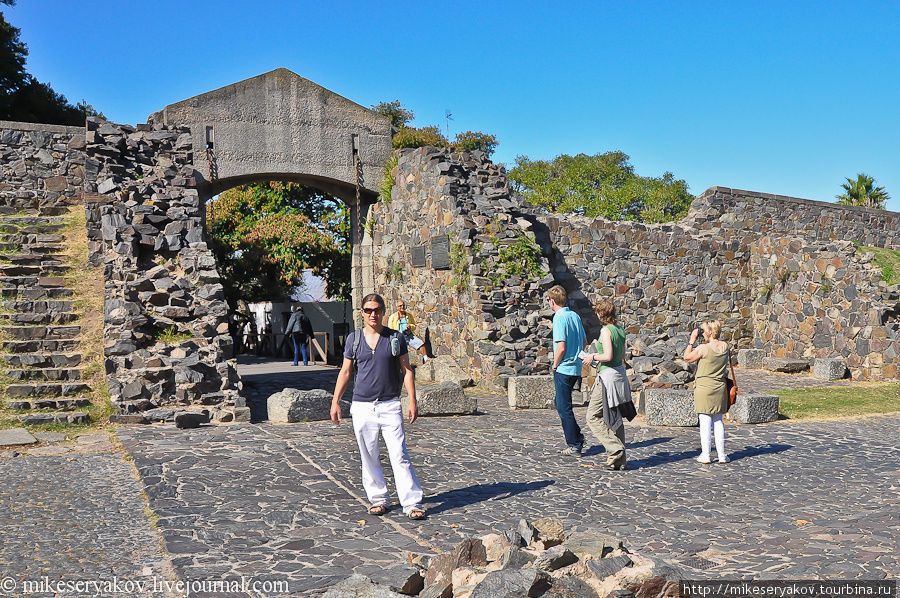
[{"x": 358, "y": 240}]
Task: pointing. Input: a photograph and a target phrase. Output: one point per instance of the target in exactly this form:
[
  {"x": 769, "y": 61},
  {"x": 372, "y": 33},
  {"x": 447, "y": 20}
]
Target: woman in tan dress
[{"x": 710, "y": 391}]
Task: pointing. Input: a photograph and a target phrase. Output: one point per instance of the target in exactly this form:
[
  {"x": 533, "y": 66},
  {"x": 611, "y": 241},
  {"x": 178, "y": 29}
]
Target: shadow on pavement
[
  {"x": 461, "y": 497},
  {"x": 753, "y": 451},
  {"x": 648, "y": 442}
]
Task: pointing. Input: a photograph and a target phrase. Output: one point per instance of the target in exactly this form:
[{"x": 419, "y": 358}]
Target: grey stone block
[
  {"x": 603, "y": 568},
  {"x": 190, "y": 419},
  {"x": 786, "y": 366},
  {"x": 120, "y": 418},
  {"x": 554, "y": 558},
  {"x": 360, "y": 586},
  {"x": 292, "y": 405},
  {"x": 531, "y": 392},
  {"x": 670, "y": 407},
  {"x": 751, "y": 358},
  {"x": 241, "y": 415},
  {"x": 755, "y": 408},
  {"x": 512, "y": 582},
  {"x": 447, "y": 399},
  {"x": 443, "y": 368},
  {"x": 829, "y": 369},
  {"x": 16, "y": 437}
]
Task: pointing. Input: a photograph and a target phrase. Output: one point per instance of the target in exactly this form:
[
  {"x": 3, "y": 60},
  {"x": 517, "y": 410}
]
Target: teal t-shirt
[{"x": 567, "y": 327}]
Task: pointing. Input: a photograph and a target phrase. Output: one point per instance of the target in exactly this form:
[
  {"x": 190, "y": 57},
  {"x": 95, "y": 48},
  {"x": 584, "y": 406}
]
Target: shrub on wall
[{"x": 413, "y": 137}]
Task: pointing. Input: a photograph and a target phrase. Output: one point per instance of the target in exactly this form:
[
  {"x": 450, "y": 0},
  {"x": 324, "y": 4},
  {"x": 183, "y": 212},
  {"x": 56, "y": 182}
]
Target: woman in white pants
[
  {"x": 380, "y": 357},
  {"x": 710, "y": 390}
]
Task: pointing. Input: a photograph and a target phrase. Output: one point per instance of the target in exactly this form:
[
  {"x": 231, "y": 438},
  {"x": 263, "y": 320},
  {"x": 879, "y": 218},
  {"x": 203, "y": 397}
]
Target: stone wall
[
  {"x": 665, "y": 277},
  {"x": 825, "y": 299},
  {"x": 41, "y": 166},
  {"x": 165, "y": 327},
  {"x": 489, "y": 328},
  {"x": 750, "y": 214}
]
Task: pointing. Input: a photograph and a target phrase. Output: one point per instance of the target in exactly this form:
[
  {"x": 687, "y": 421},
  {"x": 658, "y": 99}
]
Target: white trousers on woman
[
  {"x": 386, "y": 418},
  {"x": 718, "y": 429}
]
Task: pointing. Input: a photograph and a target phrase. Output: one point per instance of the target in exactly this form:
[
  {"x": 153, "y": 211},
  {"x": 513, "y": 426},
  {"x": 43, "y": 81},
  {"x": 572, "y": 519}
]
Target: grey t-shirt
[{"x": 378, "y": 376}]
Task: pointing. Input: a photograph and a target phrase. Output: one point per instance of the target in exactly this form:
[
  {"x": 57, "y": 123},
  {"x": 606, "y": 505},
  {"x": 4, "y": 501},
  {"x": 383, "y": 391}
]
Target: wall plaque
[
  {"x": 440, "y": 252},
  {"x": 417, "y": 256}
]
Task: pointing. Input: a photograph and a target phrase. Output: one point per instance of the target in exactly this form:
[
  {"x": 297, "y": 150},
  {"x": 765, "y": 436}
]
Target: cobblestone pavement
[
  {"x": 74, "y": 512},
  {"x": 798, "y": 500}
]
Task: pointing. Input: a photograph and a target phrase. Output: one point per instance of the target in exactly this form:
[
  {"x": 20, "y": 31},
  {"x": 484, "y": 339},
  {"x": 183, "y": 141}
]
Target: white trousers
[
  {"x": 385, "y": 417},
  {"x": 718, "y": 428}
]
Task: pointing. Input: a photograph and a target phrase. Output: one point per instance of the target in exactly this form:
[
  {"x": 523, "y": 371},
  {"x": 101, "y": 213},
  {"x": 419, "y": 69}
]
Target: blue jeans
[
  {"x": 300, "y": 348},
  {"x": 564, "y": 385}
]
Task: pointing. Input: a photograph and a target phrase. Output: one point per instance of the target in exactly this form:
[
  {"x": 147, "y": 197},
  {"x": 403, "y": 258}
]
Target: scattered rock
[
  {"x": 512, "y": 583},
  {"x": 786, "y": 366},
  {"x": 829, "y": 369},
  {"x": 190, "y": 419},
  {"x": 554, "y": 558},
  {"x": 603, "y": 568}
]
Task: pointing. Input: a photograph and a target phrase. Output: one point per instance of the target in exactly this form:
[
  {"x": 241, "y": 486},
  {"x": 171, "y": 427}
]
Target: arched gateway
[{"x": 145, "y": 219}]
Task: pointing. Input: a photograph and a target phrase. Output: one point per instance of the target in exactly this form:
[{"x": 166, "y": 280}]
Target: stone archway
[{"x": 280, "y": 126}]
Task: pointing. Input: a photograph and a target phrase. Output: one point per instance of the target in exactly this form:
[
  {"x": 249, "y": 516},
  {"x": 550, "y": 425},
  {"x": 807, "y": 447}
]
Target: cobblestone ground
[
  {"x": 798, "y": 500},
  {"x": 74, "y": 513}
]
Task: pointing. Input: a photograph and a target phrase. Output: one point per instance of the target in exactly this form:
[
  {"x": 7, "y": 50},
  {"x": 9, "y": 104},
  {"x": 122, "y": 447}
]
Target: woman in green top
[
  {"x": 710, "y": 391},
  {"x": 611, "y": 393}
]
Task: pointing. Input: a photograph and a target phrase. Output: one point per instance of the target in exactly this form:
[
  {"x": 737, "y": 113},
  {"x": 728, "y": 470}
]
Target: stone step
[
  {"x": 56, "y": 404},
  {"x": 31, "y": 259},
  {"x": 32, "y": 270},
  {"x": 64, "y": 389},
  {"x": 73, "y": 417},
  {"x": 43, "y": 360},
  {"x": 31, "y": 220},
  {"x": 41, "y": 346},
  {"x": 61, "y": 306},
  {"x": 41, "y": 229},
  {"x": 26, "y": 333},
  {"x": 49, "y": 374},
  {"x": 38, "y": 318},
  {"x": 31, "y": 238},
  {"x": 46, "y": 282},
  {"x": 48, "y": 248},
  {"x": 31, "y": 209},
  {"x": 17, "y": 293}
]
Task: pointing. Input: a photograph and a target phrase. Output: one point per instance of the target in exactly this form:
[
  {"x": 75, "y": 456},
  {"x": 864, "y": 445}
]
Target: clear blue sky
[{"x": 780, "y": 97}]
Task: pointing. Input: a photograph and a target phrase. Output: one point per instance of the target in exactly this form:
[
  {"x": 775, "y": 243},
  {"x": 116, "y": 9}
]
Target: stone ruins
[{"x": 784, "y": 274}]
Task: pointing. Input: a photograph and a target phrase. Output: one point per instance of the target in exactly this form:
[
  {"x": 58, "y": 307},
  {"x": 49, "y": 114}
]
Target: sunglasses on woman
[{"x": 371, "y": 310}]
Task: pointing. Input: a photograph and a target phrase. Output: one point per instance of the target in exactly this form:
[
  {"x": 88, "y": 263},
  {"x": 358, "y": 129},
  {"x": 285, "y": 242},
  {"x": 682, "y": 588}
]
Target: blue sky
[{"x": 780, "y": 97}]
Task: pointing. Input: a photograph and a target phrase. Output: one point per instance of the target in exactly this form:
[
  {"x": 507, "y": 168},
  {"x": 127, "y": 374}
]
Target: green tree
[
  {"x": 265, "y": 235},
  {"x": 24, "y": 98},
  {"x": 600, "y": 185},
  {"x": 399, "y": 115},
  {"x": 471, "y": 141},
  {"x": 419, "y": 137},
  {"x": 863, "y": 192}
]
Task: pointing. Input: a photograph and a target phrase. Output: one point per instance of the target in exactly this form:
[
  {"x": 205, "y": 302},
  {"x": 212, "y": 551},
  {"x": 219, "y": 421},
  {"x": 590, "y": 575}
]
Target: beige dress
[{"x": 710, "y": 393}]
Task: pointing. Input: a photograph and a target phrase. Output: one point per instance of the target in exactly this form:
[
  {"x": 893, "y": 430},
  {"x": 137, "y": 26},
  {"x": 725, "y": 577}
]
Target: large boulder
[
  {"x": 443, "y": 368},
  {"x": 360, "y": 586},
  {"x": 829, "y": 369},
  {"x": 755, "y": 408},
  {"x": 292, "y": 405},
  {"x": 447, "y": 399},
  {"x": 670, "y": 407},
  {"x": 531, "y": 392}
]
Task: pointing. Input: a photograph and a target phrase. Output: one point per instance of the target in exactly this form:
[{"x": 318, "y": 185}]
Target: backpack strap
[{"x": 357, "y": 339}]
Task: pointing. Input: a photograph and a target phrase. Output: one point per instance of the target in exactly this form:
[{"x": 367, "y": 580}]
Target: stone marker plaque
[
  {"x": 417, "y": 256},
  {"x": 440, "y": 252}
]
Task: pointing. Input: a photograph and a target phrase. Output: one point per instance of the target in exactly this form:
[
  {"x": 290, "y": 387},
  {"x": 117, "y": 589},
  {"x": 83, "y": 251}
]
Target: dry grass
[{"x": 88, "y": 286}]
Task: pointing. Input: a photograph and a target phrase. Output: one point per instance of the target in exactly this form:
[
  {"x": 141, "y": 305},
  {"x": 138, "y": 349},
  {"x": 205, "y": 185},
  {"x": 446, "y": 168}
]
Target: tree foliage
[
  {"x": 407, "y": 136},
  {"x": 265, "y": 235},
  {"x": 24, "y": 98},
  {"x": 399, "y": 115},
  {"x": 600, "y": 185},
  {"x": 863, "y": 192}
]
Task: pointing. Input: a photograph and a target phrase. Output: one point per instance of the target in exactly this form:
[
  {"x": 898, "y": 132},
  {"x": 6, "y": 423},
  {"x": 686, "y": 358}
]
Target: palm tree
[{"x": 863, "y": 192}]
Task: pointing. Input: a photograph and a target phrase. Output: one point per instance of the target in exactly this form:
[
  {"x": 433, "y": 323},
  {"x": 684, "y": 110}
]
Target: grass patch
[
  {"x": 889, "y": 262},
  {"x": 840, "y": 401},
  {"x": 171, "y": 336}
]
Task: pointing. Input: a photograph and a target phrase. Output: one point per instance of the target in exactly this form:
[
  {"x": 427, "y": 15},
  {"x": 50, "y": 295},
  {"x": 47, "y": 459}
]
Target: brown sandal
[{"x": 378, "y": 510}]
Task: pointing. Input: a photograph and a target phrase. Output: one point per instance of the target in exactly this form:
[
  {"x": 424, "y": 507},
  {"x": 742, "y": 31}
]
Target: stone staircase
[{"x": 38, "y": 337}]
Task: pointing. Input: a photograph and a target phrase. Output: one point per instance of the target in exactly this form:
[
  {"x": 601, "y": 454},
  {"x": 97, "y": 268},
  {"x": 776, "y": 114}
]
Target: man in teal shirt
[{"x": 568, "y": 341}]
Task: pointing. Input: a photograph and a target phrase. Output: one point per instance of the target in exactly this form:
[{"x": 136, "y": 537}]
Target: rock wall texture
[
  {"x": 41, "y": 166},
  {"x": 823, "y": 300},
  {"x": 165, "y": 327},
  {"x": 665, "y": 277}
]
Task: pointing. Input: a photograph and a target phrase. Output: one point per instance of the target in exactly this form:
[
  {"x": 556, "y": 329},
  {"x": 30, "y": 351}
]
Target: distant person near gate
[
  {"x": 568, "y": 341},
  {"x": 300, "y": 330},
  {"x": 380, "y": 356},
  {"x": 404, "y": 322}
]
